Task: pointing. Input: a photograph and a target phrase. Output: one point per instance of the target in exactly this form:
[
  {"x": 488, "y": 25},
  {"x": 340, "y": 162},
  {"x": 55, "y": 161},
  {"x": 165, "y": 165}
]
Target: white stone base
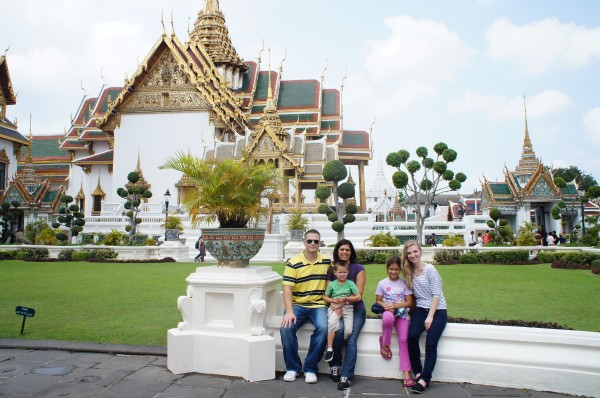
[
  {"x": 175, "y": 250},
  {"x": 249, "y": 357},
  {"x": 224, "y": 328}
]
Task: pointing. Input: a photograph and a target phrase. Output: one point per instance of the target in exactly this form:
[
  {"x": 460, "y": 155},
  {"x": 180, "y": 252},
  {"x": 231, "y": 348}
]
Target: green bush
[
  {"x": 578, "y": 258},
  {"x": 596, "y": 266},
  {"x": 104, "y": 254},
  {"x": 365, "y": 256},
  {"x": 23, "y": 254},
  {"x": 81, "y": 255},
  {"x": 382, "y": 240},
  {"x": 503, "y": 257},
  {"x": 66, "y": 255},
  {"x": 546, "y": 257},
  {"x": 7, "y": 254},
  {"x": 447, "y": 257},
  {"x": 468, "y": 258},
  {"x": 381, "y": 258}
]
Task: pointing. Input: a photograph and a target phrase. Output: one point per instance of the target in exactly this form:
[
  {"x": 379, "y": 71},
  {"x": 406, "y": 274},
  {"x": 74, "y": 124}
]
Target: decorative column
[
  {"x": 225, "y": 314},
  {"x": 361, "y": 185}
]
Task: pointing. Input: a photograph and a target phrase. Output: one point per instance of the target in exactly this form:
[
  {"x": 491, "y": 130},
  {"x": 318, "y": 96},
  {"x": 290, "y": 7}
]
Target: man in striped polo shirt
[{"x": 304, "y": 282}]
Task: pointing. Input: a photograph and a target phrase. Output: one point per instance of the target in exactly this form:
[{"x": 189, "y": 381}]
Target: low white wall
[{"x": 563, "y": 361}]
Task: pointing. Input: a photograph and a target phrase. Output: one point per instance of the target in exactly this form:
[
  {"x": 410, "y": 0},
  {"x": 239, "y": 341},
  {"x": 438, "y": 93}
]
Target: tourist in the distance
[
  {"x": 341, "y": 368},
  {"x": 304, "y": 283},
  {"x": 429, "y": 314}
]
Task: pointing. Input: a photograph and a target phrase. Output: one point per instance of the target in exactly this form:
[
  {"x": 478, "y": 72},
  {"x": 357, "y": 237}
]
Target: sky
[{"x": 417, "y": 72}]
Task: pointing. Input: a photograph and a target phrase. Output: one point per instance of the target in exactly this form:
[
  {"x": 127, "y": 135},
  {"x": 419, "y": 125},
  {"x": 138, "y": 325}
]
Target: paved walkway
[{"x": 31, "y": 368}]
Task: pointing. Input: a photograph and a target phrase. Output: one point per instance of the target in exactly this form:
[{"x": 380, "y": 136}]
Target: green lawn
[{"x": 136, "y": 303}]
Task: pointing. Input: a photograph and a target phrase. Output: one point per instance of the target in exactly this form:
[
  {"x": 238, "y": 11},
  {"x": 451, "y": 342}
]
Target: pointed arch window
[
  {"x": 97, "y": 198},
  {"x": 4, "y": 161}
]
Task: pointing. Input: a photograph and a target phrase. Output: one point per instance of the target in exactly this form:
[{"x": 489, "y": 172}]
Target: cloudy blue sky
[{"x": 424, "y": 71}]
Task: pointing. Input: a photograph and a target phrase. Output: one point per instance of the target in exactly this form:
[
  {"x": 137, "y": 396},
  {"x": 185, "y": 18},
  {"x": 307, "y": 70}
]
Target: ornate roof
[{"x": 7, "y": 95}]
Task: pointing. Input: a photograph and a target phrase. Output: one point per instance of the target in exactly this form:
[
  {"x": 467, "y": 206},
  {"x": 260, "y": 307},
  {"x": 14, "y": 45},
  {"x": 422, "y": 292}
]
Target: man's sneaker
[
  {"x": 328, "y": 355},
  {"x": 310, "y": 378},
  {"x": 290, "y": 375},
  {"x": 334, "y": 374},
  {"x": 344, "y": 383}
]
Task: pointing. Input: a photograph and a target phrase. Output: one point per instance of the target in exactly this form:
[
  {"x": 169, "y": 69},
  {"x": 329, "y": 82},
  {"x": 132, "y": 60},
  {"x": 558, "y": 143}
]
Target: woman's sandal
[
  {"x": 385, "y": 352},
  {"x": 409, "y": 382}
]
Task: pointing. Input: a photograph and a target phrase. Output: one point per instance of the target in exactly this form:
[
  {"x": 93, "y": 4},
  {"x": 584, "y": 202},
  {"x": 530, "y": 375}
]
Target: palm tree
[{"x": 230, "y": 191}]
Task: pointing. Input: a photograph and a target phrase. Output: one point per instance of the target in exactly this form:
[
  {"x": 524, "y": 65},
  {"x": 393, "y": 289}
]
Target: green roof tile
[
  {"x": 500, "y": 189},
  {"x": 47, "y": 148},
  {"x": 330, "y": 102},
  {"x": 297, "y": 95}
]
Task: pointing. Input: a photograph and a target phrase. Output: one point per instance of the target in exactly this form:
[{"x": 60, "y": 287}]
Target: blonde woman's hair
[{"x": 408, "y": 268}]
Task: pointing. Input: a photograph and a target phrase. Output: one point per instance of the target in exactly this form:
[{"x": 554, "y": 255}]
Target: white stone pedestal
[
  {"x": 175, "y": 250},
  {"x": 225, "y": 315}
]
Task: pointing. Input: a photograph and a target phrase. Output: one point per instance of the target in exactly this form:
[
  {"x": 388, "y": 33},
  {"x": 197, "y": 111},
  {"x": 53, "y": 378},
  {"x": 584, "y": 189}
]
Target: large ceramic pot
[
  {"x": 297, "y": 235},
  {"x": 233, "y": 247}
]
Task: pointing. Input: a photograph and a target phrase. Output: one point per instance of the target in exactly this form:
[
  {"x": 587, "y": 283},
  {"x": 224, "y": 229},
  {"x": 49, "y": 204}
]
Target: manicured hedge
[
  {"x": 447, "y": 257},
  {"x": 82, "y": 255},
  {"x": 468, "y": 258},
  {"x": 504, "y": 257}
]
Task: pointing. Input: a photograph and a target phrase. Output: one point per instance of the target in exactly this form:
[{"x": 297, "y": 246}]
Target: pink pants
[{"x": 402, "y": 329}]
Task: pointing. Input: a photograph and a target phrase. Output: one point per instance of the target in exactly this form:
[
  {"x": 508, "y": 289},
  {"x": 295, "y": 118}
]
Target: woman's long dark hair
[{"x": 341, "y": 243}]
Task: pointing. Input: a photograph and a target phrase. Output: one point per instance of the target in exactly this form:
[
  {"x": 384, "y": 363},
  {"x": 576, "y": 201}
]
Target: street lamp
[
  {"x": 167, "y": 198},
  {"x": 581, "y": 189}
]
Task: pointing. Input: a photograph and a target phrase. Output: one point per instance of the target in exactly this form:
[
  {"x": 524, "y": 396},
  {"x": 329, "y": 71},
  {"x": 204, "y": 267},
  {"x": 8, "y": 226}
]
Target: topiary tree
[
  {"x": 9, "y": 217},
  {"x": 425, "y": 178},
  {"x": 133, "y": 194},
  {"x": 70, "y": 217},
  {"x": 335, "y": 171},
  {"x": 500, "y": 230}
]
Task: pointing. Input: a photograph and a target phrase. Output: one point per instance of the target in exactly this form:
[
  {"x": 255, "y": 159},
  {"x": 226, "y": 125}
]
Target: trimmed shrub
[
  {"x": 576, "y": 258},
  {"x": 381, "y": 258},
  {"x": 447, "y": 257},
  {"x": 104, "y": 254},
  {"x": 7, "y": 254},
  {"x": 81, "y": 255},
  {"x": 504, "y": 257},
  {"x": 21, "y": 255},
  {"x": 365, "y": 256},
  {"x": 546, "y": 257},
  {"x": 40, "y": 253},
  {"x": 468, "y": 258},
  {"x": 596, "y": 266},
  {"x": 66, "y": 255}
]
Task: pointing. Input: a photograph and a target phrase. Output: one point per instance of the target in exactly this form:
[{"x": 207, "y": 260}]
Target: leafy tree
[
  {"x": 339, "y": 214},
  {"x": 571, "y": 173},
  {"x": 382, "y": 240},
  {"x": 526, "y": 234},
  {"x": 500, "y": 230},
  {"x": 566, "y": 210},
  {"x": 453, "y": 240},
  {"x": 70, "y": 217},
  {"x": 592, "y": 229},
  {"x": 9, "y": 217},
  {"x": 134, "y": 194},
  {"x": 425, "y": 178},
  {"x": 40, "y": 233}
]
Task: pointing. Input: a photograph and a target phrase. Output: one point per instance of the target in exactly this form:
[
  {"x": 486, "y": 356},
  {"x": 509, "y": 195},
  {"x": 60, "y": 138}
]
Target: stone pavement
[{"x": 33, "y": 368}]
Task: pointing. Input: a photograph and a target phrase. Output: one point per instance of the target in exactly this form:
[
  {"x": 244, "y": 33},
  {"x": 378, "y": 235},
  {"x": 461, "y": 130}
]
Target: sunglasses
[{"x": 311, "y": 241}]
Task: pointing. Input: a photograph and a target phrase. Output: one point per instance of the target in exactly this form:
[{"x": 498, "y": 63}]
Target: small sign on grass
[{"x": 25, "y": 312}]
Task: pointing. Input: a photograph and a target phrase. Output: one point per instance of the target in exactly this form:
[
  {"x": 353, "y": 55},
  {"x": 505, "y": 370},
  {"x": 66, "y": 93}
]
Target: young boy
[{"x": 339, "y": 295}]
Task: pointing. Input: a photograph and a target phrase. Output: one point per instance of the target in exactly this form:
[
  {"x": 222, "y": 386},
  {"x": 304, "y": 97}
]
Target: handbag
[{"x": 377, "y": 309}]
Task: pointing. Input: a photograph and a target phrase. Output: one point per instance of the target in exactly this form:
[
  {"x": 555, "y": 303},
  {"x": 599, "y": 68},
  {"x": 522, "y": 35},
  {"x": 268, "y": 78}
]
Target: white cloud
[
  {"x": 591, "y": 121},
  {"x": 543, "y": 45},
  {"x": 495, "y": 107}
]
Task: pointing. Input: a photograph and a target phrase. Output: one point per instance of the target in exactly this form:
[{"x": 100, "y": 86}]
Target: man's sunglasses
[{"x": 311, "y": 241}]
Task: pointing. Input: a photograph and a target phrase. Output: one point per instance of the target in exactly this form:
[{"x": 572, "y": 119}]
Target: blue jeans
[
  {"x": 349, "y": 362},
  {"x": 417, "y": 326},
  {"x": 318, "y": 340}
]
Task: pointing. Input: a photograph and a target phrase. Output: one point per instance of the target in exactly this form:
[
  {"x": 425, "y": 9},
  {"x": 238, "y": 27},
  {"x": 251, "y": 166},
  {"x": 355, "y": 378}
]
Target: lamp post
[
  {"x": 581, "y": 189},
  {"x": 167, "y": 198}
]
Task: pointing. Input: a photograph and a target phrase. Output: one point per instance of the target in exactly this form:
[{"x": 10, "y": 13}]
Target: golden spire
[
  {"x": 527, "y": 141},
  {"x": 528, "y": 162},
  {"x": 210, "y": 31}
]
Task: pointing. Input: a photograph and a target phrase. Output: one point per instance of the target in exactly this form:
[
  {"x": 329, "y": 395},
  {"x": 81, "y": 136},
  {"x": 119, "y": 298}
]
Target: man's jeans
[
  {"x": 289, "y": 339},
  {"x": 416, "y": 328},
  {"x": 351, "y": 346}
]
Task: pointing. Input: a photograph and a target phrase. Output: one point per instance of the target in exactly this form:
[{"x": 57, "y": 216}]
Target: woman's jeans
[
  {"x": 416, "y": 328},
  {"x": 318, "y": 340},
  {"x": 349, "y": 362}
]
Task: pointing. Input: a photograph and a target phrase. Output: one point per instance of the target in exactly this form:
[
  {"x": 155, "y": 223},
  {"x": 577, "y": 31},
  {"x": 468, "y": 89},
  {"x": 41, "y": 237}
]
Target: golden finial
[
  {"x": 260, "y": 53},
  {"x": 270, "y": 103},
  {"x": 323, "y": 73},
  {"x": 126, "y": 80},
  {"x": 102, "y": 76},
  {"x": 189, "y": 18},
  {"x": 82, "y": 88},
  {"x": 172, "y": 24},
  {"x": 7, "y": 48},
  {"x": 527, "y": 141},
  {"x": 138, "y": 60},
  {"x": 371, "y": 130},
  {"x": 281, "y": 64},
  {"x": 162, "y": 21},
  {"x": 343, "y": 79}
]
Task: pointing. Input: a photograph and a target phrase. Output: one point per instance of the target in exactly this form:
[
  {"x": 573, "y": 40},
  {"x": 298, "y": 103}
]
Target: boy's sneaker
[
  {"x": 290, "y": 375},
  {"x": 310, "y": 378},
  {"x": 328, "y": 355},
  {"x": 334, "y": 374},
  {"x": 344, "y": 383}
]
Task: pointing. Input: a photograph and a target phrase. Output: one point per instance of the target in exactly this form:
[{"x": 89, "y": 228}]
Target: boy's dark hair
[{"x": 339, "y": 263}]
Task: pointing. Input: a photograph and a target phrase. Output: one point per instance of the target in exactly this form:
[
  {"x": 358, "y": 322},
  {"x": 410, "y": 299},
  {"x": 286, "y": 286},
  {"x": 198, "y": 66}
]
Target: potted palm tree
[
  {"x": 232, "y": 192},
  {"x": 296, "y": 224}
]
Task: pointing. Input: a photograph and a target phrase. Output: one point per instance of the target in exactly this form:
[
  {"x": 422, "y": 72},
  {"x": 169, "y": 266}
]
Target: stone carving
[
  {"x": 542, "y": 189},
  {"x": 266, "y": 145},
  {"x": 166, "y": 72},
  {"x": 256, "y": 308},
  {"x": 184, "y": 303}
]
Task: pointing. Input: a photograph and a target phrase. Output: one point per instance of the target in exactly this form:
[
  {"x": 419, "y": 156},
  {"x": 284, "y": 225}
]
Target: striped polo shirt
[
  {"x": 428, "y": 285},
  {"x": 308, "y": 280}
]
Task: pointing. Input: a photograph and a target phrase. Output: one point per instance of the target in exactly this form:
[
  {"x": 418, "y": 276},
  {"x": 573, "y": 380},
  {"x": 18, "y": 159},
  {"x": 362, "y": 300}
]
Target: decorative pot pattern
[{"x": 233, "y": 247}]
